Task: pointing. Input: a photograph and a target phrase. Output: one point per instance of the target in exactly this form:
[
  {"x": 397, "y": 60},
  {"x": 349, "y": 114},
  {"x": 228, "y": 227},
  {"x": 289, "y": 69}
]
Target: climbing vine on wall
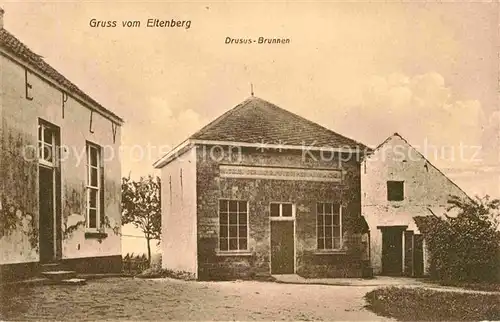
[
  {"x": 33, "y": 238},
  {"x": 9, "y": 220},
  {"x": 69, "y": 230},
  {"x": 107, "y": 224},
  {"x": 353, "y": 219},
  {"x": 13, "y": 217}
]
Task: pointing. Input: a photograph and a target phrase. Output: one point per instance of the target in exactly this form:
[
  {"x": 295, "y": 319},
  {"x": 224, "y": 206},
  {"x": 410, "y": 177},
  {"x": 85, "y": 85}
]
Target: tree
[
  {"x": 465, "y": 247},
  {"x": 141, "y": 206}
]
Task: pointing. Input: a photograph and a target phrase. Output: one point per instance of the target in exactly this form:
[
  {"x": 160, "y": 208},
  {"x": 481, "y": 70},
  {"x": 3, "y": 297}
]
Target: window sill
[
  {"x": 234, "y": 253},
  {"x": 282, "y": 218},
  {"x": 330, "y": 252},
  {"x": 95, "y": 235}
]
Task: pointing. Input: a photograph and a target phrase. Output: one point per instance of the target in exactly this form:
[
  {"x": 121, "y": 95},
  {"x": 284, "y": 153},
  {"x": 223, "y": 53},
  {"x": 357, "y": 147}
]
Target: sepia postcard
[{"x": 250, "y": 160}]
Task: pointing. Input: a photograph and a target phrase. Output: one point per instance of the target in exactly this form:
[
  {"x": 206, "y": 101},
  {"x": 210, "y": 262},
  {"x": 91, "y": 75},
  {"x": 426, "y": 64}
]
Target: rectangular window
[
  {"x": 94, "y": 186},
  {"x": 283, "y": 210},
  {"x": 233, "y": 225},
  {"x": 46, "y": 144},
  {"x": 395, "y": 190},
  {"x": 329, "y": 226}
]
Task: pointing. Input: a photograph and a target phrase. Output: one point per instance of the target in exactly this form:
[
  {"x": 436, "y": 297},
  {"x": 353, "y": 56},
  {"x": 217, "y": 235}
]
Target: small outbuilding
[
  {"x": 262, "y": 191},
  {"x": 398, "y": 183}
]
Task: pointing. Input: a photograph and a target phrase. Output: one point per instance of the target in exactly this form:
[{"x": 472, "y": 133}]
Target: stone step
[
  {"x": 59, "y": 275},
  {"x": 39, "y": 281},
  {"x": 50, "y": 267},
  {"x": 73, "y": 281}
]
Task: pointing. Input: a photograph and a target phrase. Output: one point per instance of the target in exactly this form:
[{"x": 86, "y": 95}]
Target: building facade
[
  {"x": 262, "y": 191},
  {"x": 398, "y": 183},
  {"x": 60, "y": 172}
]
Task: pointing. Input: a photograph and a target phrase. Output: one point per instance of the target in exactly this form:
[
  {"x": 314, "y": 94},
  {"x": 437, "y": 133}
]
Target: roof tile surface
[
  {"x": 258, "y": 121},
  {"x": 15, "y": 47}
]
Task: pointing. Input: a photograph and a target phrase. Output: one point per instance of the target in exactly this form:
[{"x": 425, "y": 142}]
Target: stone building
[
  {"x": 397, "y": 184},
  {"x": 262, "y": 191},
  {"x": 60, "y": 178}
]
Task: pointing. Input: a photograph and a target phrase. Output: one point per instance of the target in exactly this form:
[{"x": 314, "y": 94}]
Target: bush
[
  {"x": 158, "y": 272},
  {"x": 418, "y": 304},
  {"x": 134, "y": 264},
  {"x": 465, "y": 247}
]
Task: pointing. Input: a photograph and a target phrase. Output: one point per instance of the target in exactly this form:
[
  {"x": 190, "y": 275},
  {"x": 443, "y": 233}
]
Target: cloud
[
  {"x": 155, "y": 130},
  {"x": 162, "y": 123},
  {"x": 491, "y": 135},
  {"x": 424, "y": 110}
]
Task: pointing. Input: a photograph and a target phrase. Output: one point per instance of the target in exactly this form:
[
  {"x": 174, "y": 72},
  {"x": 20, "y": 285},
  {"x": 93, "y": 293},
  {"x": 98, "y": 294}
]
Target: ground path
[
  {"x": 292, "y": 298},
  {"x": 379, "y": 281},
  {"x": 167, "y": 299}
]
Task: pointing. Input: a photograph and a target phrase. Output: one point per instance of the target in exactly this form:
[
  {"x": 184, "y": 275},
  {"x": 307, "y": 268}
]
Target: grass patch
[
  {"x": 479, "y": 286},
  {"x": 156, "y": 272},
  {"x": 411, "y": 304}
]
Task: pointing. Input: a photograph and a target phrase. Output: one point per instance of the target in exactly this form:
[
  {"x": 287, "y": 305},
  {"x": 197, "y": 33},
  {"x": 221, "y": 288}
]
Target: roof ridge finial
[
  {"x": 251, "y": 89},
  {"x": 1, "y": 17}
]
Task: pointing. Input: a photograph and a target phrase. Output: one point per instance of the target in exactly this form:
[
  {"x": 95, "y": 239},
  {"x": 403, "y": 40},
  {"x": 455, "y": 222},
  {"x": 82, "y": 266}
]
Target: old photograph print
[{"x": 250, "y": 160}]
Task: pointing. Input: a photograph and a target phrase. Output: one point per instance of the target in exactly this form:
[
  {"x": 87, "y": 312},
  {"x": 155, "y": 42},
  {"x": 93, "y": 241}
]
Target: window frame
[
  {"x": 233, "y": 251},
  {"x": 42, "y": 126},
  {"x": 402, "y": 190},
  {"x": 281, "y": 217},
  {"x": 89, "y": 188},
  {"x": 341, "y": 237}
]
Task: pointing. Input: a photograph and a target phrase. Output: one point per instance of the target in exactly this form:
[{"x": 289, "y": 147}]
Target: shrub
[
  {"x": 158, "y": 272},
  {"x": 134, "y": 264},
  {"x": 418, "y": 304},
  {"x": 465, "y": 247}
]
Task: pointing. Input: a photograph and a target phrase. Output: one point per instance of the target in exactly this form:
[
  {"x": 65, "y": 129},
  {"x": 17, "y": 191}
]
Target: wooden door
[
  {"x": 282, "y": 247},
  {"x": 418, "y": 255},
  {"x": 46, "y": 219},
  {"x": 392, "y": 251}
]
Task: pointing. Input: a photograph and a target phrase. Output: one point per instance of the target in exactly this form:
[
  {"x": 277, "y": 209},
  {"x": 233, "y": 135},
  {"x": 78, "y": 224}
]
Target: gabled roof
[
  {"x": 367, "y": 156},
  {"x": 16, "y": 48},
  {"x": 258, "y": 123}
]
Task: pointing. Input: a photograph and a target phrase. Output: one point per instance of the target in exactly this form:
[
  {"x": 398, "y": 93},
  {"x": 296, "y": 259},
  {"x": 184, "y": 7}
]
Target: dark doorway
[
  {"x": 408, "y": 251},
  {"x": 392, "y": 250},
  {"x": 47, "y": 214},
  {"x": 418, "y": 255},
  {"x": 49, "y": 194},
  {"x": 282, "y": 247}
]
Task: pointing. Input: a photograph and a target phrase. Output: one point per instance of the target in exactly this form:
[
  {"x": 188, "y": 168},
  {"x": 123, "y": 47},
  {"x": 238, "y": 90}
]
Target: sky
[{"x": 428, "y": 71}]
